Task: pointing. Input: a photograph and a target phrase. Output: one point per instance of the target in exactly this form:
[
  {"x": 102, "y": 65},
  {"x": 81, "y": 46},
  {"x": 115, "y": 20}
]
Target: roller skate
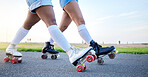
[
  {"x": 49, "y": 49},
  {"x": 12, "y": 55},
  {"x": 103, "y": 51},
  {"x": 79, "y": 57}
]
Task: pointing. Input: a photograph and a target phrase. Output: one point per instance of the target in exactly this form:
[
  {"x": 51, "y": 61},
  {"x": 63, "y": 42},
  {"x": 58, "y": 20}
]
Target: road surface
[{"x": 124, "y": 65}]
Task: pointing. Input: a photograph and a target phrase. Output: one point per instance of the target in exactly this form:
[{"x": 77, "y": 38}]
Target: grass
[
  {"x": 133, "y": 50},
  {"x": 28, "y": 47},
  {"x": 37, "y": 47}
]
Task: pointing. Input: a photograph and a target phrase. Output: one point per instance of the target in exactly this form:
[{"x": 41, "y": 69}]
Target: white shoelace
[{"x": 76, "y": 49}]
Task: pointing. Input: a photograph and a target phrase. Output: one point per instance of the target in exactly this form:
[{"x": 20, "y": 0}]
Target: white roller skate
[
  {"x": 79, "y": 57},
  {"x": 13, "y": 55}
]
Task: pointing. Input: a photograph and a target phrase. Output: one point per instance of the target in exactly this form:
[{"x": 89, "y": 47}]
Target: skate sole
[
  {"x": 78, "y": 60},
  {"x": 53, "y": 56},
  {"x": 13, "y": 59},
  {"x": 88, "y": 57},
  {"x": 111, "y": 55}
]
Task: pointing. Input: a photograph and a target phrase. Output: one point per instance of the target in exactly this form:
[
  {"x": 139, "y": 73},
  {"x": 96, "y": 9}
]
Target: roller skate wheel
[
  {"x": 44, "y": 56},
  {"x": 14, "y": 60},
  {"x": 80, "y": 68},
  {"x": 111, "y": 56},
  {"x": 95, "y": 57},
  {"x": 53, "y": 56},
  {"x": 6, "y": 59},
  {"x": 100, "y": 61},
  {"x": 20, "y": 61},
  {"x": 89, "y": 58}
]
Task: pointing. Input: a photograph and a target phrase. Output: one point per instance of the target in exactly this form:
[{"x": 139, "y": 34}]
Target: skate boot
[
  {"x": 102, "y": 51},
  {"x": 78, "y": 57},
  {"x": 49, "y": 49},
  {"x": 13, "y": 55}
]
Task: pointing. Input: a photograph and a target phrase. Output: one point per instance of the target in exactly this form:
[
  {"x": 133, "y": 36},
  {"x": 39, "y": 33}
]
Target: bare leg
[
  {"x": 69, "y": 15},
  {"x": 30, "y": 20},
  {"x": 66, "y": 20},
  {"x": 73, "y": 10},
  {"x": 21, "y": 33},
  {"x": 46, "y": 13}
]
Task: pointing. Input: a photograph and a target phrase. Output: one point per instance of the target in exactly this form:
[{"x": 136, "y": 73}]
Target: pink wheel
[
  {"x": 80, "y": 68},
  {"x": 44, "y": 56},
  {"x": 20, "y": 61},
  {"x": 85, "y": 67},
  {"x": 89, "y": 58},
  {"x": 14, "y": 60},
  {"x": 6, "y": 59},
  {"x": 100, "y": 61},
  {"x": 53, "y": 56},
  {"x": 111, "y": 56},
  {"x": 95, "y": 57}
]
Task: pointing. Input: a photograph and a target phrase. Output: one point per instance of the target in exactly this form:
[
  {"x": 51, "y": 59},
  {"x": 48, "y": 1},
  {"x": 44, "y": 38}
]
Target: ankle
[
  {"x": 69, "y": 51},
  {"x": 12, "y": 46},
  {"x": 93, "y": 44}
]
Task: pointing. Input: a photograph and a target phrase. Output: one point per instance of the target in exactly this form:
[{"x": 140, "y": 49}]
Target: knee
[
  {"x": 81, "y": 21},
  {"x": 51, "y": 22},
  {"x": 63, "y": 28},
  {"x": 28, "y": 27}
]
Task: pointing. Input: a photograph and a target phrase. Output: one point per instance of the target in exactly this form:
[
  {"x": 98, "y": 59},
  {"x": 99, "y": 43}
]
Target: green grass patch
[
  {"x": 30, "y": 49},
  {"x": 37, "y": 47},
  {"x": 133, "y": 50}
]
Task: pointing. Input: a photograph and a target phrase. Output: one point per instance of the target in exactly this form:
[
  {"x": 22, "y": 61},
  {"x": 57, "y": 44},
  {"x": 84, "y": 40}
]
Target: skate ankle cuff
[{"x": 12, "y": 46}]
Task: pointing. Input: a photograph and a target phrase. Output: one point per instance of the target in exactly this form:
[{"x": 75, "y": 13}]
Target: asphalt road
[{"x": 124, "y": 65}]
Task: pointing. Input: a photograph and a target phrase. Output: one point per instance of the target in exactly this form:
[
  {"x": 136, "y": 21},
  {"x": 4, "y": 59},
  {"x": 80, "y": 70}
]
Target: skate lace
[
  {"x": 52, "y": 46},
  {"x": 76, "y": 49}
]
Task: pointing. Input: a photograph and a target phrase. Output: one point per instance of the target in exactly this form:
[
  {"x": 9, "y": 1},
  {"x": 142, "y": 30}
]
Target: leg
[
  {"x": 30, "y": 20},
  {"x": 46, "y": 13},
  {"x": 66, "y": 20},
  {"x": 63, "y": 26},
  {"x": 21, "y": 33},
  {"x": 74, "y": 12}
]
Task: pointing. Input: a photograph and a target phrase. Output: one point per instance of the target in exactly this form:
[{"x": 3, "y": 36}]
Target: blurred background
[{"x": 108, "y": 21}]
